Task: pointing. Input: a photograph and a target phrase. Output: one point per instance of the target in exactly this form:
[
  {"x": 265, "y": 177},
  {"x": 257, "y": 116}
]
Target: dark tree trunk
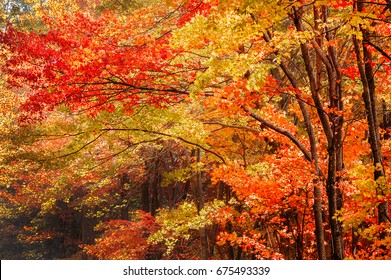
[
  {"x": 145, "y": 197},
  {"x": 364, "y": 62},
  {"x": 332, "y": 124}
]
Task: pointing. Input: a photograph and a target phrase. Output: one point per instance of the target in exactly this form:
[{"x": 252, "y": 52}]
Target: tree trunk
[
  {"x": 332, "y": 126},
  {"x": 318, "y": 200},
  {"x": 364, "y": 63},
  {"x": 145, "y": 197}
]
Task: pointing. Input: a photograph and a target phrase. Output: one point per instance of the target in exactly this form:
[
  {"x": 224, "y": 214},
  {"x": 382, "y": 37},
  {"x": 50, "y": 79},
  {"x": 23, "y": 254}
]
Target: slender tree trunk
[
  {"x": 332, "y": 194},
  {"x": 318, "y": 200},
  {"x": 145, "y": 197},
  {"x": 364, "y": 62},
  {"x": 154, "y": 191},
  {"x": 332, "y": 126},
  {"x": 199, "y": 199}
]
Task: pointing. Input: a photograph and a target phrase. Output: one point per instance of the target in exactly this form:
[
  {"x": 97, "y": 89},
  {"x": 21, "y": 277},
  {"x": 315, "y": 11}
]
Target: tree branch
[
  {"x": 167, "y": 135},
  {"x": 282, "y": 131}
]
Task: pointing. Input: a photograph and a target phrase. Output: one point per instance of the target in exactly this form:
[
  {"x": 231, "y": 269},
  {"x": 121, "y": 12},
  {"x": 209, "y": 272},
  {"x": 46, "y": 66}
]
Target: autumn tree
[
  {"x": 307, "y": 41},
  {"x": 257, "y": 124}
]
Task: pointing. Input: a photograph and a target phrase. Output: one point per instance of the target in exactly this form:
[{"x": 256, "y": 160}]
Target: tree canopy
[{"x": 196, "y": 129}]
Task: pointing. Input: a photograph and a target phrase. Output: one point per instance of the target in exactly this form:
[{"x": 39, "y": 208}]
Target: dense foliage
[{"x": 195, "y": 129}]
